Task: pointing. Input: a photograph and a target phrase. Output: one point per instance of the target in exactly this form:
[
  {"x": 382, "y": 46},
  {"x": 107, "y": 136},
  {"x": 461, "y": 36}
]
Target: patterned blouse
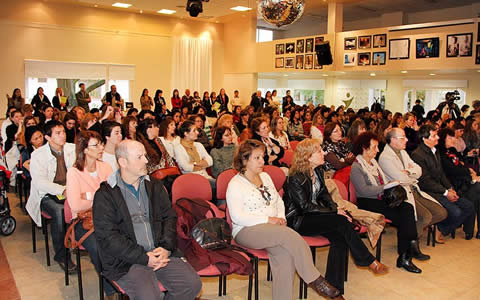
[{"x": 340, "y": 149}]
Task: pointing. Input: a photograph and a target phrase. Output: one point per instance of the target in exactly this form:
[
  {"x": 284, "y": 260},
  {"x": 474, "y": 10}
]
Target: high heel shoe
[
  {"x": 416, "y": 253},
  {"x": 405, "y": 261},
  {"x": 322, "y": 287},
  {"x": 378, "y": 268}
]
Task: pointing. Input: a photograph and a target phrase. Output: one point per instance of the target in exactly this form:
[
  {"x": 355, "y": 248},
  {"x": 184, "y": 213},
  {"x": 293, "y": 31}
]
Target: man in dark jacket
[
  {"x": 257, "y": 101},
  {"x": 434, "y": 182},
  {"x": 418, "y": 109},
  {"x": 135, "y": 228}
]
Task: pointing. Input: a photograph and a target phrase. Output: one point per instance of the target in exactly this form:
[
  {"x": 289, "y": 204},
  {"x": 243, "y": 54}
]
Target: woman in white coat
[{"x": 397, "y": 165}]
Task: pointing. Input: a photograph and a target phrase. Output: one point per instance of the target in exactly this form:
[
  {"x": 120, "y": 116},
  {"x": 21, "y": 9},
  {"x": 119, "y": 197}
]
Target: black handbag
[
  {"x": 212, "y": 233},
  {"x": 394, "y": 196}
]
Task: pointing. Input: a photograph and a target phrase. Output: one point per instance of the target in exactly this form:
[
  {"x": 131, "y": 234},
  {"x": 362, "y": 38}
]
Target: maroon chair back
[
  {"x": 287, "y": 157},
  {"x": 293, "y": 145},
  {"x": 222, "y": 183},
  {"x": 191, "y": 186},
  {"x": 352, "y": 194},
  {"x": 342, "y": 189},
  {"x": 67, "y": 211},
  {"x": 277, "y": 175}
]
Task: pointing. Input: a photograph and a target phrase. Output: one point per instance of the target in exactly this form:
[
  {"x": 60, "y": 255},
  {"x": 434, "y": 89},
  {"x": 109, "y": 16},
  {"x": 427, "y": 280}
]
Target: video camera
[{"x": 452, "y": 96}]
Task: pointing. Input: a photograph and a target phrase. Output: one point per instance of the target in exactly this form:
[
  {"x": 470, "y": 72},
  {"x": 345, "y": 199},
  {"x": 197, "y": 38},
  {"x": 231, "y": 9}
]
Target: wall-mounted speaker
[{"x": 324, "y": 55}]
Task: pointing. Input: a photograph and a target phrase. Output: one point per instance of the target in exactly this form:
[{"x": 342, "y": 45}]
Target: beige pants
[
  {"x": 428, "y": 212},
  {"x": 287, "y": 252}
]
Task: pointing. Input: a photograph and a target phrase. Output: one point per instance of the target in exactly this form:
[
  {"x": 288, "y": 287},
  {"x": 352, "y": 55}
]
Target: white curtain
[{"x": 192, "y": 65}]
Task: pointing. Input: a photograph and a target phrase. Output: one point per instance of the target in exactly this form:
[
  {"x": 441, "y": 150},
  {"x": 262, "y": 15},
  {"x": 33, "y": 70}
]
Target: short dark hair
[
  {"x": 442, "y": 135},
  {"x": 424, "y": 131},
  {"x": 94, "y": 110},
  {"x": 142, "y": 114},
  {"x": 13, "y": 112},
  {"x": 185, "y": 128},
  {"x": 256, "y": 122},
  {"x": 242, "y": 155},
  {"x": 363, "y": 141},
  {"x": 81, "y": 84},
  {"x": 131, "y": 111},
  {"x": 107, "y": 127},
  {"x": 9, "y": 110},
  {"x": 50, "y": 125},
  {"x": 217, "y": 137}
]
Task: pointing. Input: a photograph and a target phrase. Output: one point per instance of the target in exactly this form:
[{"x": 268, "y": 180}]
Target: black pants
[
  {"x": 339, "y": 231},
  {"x": 473, "y": 195},
  {"x": 402, "y": 217}
]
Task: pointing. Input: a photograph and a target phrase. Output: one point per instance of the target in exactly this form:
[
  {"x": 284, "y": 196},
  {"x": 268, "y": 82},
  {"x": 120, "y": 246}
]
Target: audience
[
  {"x": 111, "y": 136},
  {"x": 168, "y": 136},
  {"x": 273, "y": 151},
  {"x": 57, "y": 100},
  {"x": 337, "y": 154},
  {"x": 13, "y": 130},
  {"x": 34, "y": 140},
  {"x": 278, "y": 134},
  {"x": 38, "y": 99},
  {"x": 146, "y": 101},
  {"x": 83, "y": 98},
  {"x": 223, "y": 150}
]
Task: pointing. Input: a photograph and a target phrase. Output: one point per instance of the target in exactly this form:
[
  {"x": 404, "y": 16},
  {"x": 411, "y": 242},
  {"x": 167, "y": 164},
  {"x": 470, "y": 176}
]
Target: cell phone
[{"x": 116, "y": 109}]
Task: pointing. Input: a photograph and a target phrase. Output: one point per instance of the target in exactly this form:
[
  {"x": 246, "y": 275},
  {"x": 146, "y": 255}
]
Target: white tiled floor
[{"x": 452, "y": 273}]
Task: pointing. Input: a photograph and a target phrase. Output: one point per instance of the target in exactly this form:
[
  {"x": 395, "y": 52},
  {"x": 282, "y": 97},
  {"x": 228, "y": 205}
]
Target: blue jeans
[
  {"x": 459, "y": 212},
  {"x": 55, "y": 210},
  {"x": 90, "y": 244}
]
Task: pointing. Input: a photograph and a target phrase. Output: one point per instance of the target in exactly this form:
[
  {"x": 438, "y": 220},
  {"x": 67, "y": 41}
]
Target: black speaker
[{"x": 324, "y": 55}]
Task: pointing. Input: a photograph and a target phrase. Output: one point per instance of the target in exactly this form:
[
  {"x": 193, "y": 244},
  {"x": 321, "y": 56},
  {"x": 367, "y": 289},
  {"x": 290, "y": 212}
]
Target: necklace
[{"x": 262, "y": 189}]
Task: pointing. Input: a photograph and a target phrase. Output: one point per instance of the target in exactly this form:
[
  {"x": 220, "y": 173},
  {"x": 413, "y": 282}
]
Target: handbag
[
  {"x": 394, "y": 196},
  {"x": 212, "y": 233},
  {"x": 163, "y": 173},
  {"x": 87, "y": 223}
]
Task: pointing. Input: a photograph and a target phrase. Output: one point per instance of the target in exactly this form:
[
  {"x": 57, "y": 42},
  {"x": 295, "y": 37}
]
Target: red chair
[
  {"x": 293, "y": 145},
  {"x": 277, "y": 175},
  {"x": 314, "y": 242},
  {"x": 194, "y": 186},
  {"x": 287, "y": 157},
  {"x": 222, "y": 183}
]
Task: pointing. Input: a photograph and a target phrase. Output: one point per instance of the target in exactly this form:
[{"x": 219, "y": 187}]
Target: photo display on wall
[
  {"x": 350, "y": 43},
  {"x": 308, "y": 61},
  {"x": 318, "y": 40},
  {"x": 365, "y": 42},
  {"x": 279, "y": 62},
  {"x": 426, "y": 48},
  {"x": 317, "y": 66},
  {"x": 399, "y": 49},
  {"x": 308, "y": 45},
  {"x": 279, "y": 49},
  {"x": 459, "y": 44},
  {"x": 290, "y": 48},
  {"x": 478, "y": 33},
  {"x": 299, "y": 62},
  {"x": 477, "y": 56},
  {"x": 379, "y": 58},
  {"x": 350, "y": 59},
  {"x": 289, "y": 62},
  {"x": 364, "y": 59},
  {"x": 300, "y": 46},
  {"x": 379, "y": 41}
]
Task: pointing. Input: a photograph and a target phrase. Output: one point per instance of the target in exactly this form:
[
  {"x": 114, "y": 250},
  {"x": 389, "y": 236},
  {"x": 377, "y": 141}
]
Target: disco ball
[{"x": 281, "y": 12}]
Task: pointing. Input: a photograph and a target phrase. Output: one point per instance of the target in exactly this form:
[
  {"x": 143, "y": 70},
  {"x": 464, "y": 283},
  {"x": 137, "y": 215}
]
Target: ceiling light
[
  {"x": 141, "y": 11},
  {"x": 432, "y": 74},
  {"x": 404, "y": 72},
  {"x": 122, "y": 5},
  {"x": 286, "y": 75},
  {"x": 166, "y": 11},
  {"x": 373, "y": 74},
  {"x": 324, "y": 75},
  {"x": 478, "y": 71},
  {"x": 241, "y": 8},
  {"x": 95, "y": 5}
]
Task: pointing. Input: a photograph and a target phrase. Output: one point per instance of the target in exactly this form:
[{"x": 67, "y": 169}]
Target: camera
[{"x": 452, "y": 96}]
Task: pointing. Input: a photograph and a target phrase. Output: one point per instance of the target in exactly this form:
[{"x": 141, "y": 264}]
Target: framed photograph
[
  {"x": 317, "y": 66},
  {"x": 318, "y": 40},
  {"x": 477, "y": 57},
  {"x": 300, "y": 46},
  {"x": 309, "y": 61},
  {"x": 299, "y": 62},
  {"x": 289, "y": 62},
  {"x": 350, "y": 59},
  {"x": 427, "y": 48},
  {"x": 290, "y": 48},
  {"x": 279, "y": 49},
  {"x": 379, "y": 58},
  {"x": 478, "y": 33},
  {"x": 365, "y": 42},
  {"x": 364, "y": 59},
  {"x": 309, "y": 45},
  {"x": 459, "y": 44},
  {"x": 399, "y": 49},
  {"x": 350, "y": 43},
  {"x": 379, "y": 40},
  {"x": 279, "y": 62}
]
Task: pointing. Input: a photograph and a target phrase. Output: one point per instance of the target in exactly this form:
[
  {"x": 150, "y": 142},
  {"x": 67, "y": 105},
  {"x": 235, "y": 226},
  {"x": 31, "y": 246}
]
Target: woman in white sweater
[
  {"x": 191, "y": 156},
  {"x": 258, "y": 219}
]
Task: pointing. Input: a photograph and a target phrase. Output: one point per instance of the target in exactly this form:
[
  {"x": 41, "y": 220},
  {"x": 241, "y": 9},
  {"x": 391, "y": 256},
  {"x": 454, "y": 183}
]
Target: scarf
[
  {"x": 191, "y": 150},
  {"x": 372, "y": 169}
]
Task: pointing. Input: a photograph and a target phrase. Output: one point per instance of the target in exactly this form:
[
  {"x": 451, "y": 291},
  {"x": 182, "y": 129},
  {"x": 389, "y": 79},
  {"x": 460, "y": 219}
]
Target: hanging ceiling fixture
[{"x": 281, "y": 12}]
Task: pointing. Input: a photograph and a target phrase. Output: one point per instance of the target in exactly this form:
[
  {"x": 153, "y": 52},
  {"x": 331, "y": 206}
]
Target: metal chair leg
[
  {"x": 250, "y": 284},
  {"x": 224, "y": 285},
  {"x": 347, "y": 256},
  {"x": 434, "y": 234},
  {"x": 379, "y": 247},
  {"x": 47, "y": 248},
  {"x": 300, "y": 290},
  {"x": 100, "y": 286},
  {"x": 269, "y": 271},
  {"x": 34, "y": 237},
  {"x": 79, "y": 273},
  {"x": 220, "y": 285},
  {"x": 256, "y": 278}
]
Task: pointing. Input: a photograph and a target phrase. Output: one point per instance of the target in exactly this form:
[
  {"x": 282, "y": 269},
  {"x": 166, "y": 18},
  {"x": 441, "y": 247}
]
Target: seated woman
[
  {"x": 158, "y": 157},
  {"x": 358, "y": 127},
  {"x": 83, "y": 180},
  {"x": 168, "y": 136},
  {"x": 244, "y": 120},
  {"x": 295, "y": 127},
  {"x": 278, "y": 134},
  {"x": 223, "y": 151},
  {"x": 258, "y": 221},
  {"x": 191, "y": 156},
  {"x": 226, "y": 120},
  {"x": 337, "y": 155},
  {"x": 71, "y": 127},
  {"x": 369, "y": 182},
  {"x": 129, "y": 126},
  {"x": 34, "y": 140},
  {"x": 464, "y": 180},
  {"x": 202, "y": 136},
  {"x": 112, "y": 136},
  {"x": 90, "y": 123},
  {"x": 311, "y": 211},
  {"x": 307, "y": 123},
  {"x": 273, "y": 151},
  {"x": 411, "y": 132},
  {"x": 317, "y": 127}
]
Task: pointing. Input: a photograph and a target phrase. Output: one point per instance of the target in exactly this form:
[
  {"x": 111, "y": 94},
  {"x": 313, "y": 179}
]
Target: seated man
[
  {"x": 434, "y": 182},
  {"x": 135, "y": 228},
  {"x": 48, "y": 168}
]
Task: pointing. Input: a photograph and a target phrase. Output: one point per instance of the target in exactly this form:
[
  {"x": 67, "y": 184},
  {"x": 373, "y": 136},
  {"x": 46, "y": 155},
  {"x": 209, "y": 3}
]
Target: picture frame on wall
[
  {"x": 350, "y": 43},
  {"x": 350, "y": 59},
  {"x": 289, "y": 62},
  {"x": 290, "y": 48},
  {"x": 300, "y": 46},
  {"x": 380, "y": 40},
  {"x": 308, "y": 45},
  {"x": 299, "y": 62},
  {"x": 459, "y": 44},
  {"x": 399, "y": 49},
  {"x": 426, "y": 48},
  {"x": 279, "y": 49},
  {"x": 477, "y": 56},
  {"x": 379, "y": 58},
  {"x": 478, "y": 33},
  {"x": 309, "y": 61},
  {"x": 318, "y": 40},
  {"x": 317, "y": 66},
  {"x": 279, "y": 62},
  {"x": 365, "y": 42},
  {"x": 364, "y": 59}
]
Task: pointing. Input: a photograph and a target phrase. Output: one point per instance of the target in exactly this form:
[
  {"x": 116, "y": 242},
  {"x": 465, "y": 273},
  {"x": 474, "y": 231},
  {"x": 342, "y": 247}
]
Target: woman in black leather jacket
[{"x": 310, "y": 211}]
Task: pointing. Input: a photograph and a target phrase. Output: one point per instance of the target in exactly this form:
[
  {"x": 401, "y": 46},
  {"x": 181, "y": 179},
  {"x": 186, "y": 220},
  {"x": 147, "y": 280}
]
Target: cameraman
[{"x": 449, "y": 107}]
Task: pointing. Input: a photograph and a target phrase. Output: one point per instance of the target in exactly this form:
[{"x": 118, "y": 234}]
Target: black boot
[
  {"x": 416, "y": 253},
  {"x": 405, "y": 261}
]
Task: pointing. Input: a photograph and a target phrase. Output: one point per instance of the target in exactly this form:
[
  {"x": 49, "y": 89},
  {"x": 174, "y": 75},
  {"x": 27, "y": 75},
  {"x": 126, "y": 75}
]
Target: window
[{"x": 264, "y": 35}]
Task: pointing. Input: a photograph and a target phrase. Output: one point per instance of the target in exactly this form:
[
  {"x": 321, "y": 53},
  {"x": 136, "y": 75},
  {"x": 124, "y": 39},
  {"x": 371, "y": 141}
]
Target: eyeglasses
[{"x": 96, "y": 145}]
